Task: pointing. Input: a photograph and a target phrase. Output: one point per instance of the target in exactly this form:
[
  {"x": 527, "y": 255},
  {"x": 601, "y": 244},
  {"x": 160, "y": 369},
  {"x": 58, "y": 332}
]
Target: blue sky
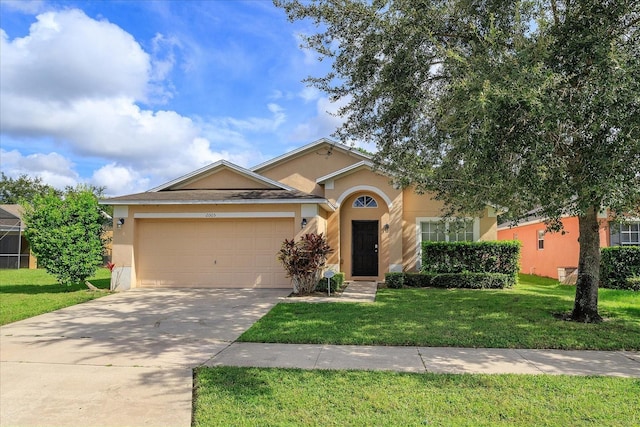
[{"x": 131, "y": 94}]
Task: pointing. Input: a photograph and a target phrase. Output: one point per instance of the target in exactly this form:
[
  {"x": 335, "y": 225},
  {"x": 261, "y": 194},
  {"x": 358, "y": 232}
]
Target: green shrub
[
  {"x": 472, "y": 257},
  {"x": 417, "y": 280},
  {"x": 470, "y": 265},
  {"x": 633, "y": 283},
  {"x": 458, "y": 280},
  {"x": 394, "y": 280},
  {"x": 476, "y": 257},
  {"x": 620, "y": 267},
  {"x": 65, "y": 233},
  {"x": 335, "y": 282}
]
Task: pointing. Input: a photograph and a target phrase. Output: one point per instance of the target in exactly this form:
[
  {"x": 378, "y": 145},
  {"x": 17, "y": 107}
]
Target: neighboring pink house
[{"x": 556, "y": 254}]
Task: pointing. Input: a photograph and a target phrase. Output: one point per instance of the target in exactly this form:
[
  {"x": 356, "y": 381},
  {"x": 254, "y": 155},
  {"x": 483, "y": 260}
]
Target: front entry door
[{"x": 365, "y": 248}]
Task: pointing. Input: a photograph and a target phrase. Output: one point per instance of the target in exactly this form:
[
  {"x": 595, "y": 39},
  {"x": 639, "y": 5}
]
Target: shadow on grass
[
  {"x": 53, "y": 288},
  {"x": 519, "y": 318}
]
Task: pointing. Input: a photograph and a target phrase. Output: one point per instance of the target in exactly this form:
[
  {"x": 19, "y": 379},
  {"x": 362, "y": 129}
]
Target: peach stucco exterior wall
[
  {"x": 560, "y": 250},
  {"x": 222, "y": 180},
  {"x": 301, "y": 172}
]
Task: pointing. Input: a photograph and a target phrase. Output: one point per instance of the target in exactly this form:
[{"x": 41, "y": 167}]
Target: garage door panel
[
  {"x": 263, "y": 261},
  {"x": 264, "y": 244},
  {"x": 211, "y": 253}
]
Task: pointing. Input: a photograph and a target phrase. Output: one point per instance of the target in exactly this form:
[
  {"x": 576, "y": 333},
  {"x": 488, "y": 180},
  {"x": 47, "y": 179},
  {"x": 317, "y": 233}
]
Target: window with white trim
[
  {"x": 625, "y": 234},
  {"x": 446, "y": 231},
  {"x": 434, "y": 229},
  {"x": 365, "y": 202},
  {"x": 540, "y": 240}
]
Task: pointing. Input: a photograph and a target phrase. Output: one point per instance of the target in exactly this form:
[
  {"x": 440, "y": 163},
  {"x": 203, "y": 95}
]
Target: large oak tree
[{"x": 522, "y": 104}]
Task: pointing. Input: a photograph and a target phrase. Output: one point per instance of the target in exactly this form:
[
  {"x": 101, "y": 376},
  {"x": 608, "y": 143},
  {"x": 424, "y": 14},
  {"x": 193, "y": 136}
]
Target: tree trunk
[{"x": 585, "y": 308}]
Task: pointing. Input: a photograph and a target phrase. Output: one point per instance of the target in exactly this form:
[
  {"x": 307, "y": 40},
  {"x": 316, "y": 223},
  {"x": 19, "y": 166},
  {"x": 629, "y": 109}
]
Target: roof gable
[
  {"x": 11, "y": 212},
  {"x": 221, "y": 175},
  {"x": 302, "y": 167},
  {"x": 322, "y": 143},
  {"x": 365, "y": 164}
]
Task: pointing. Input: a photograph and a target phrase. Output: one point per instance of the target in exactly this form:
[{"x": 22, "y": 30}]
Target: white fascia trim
[
  {"x": 218, "y": 164},
  {"x": 209, "y": 215},
  {"x": 305, "y": 148},
  {"x": 344, "y": 171},
  {"x": 375, "y": 190}
]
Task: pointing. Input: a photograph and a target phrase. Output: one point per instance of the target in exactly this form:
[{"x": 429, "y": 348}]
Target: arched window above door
[{"x": 365, "y": 202}]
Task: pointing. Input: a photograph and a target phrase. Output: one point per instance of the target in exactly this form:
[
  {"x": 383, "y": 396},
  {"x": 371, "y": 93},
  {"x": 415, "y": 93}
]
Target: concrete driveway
[{"x": 122, "y": 360}]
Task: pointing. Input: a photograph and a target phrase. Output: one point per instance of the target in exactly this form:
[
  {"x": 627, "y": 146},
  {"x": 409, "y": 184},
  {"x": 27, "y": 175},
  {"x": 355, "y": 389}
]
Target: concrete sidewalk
[
  {"x": 431, "y": 359},
  {"x": 423, "y": 359},
  {"x": 354, "y": 292}
]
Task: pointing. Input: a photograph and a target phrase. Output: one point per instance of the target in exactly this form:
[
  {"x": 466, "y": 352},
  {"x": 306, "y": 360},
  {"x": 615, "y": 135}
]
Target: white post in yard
[{"x": 329, "y": 274}]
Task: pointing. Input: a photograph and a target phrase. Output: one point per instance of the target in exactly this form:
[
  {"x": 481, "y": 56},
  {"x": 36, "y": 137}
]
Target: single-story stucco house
[{"x": 222, "y": 225}]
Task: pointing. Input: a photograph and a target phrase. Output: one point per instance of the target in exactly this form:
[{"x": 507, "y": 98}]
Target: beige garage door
[{"x": 239, "y": 253}]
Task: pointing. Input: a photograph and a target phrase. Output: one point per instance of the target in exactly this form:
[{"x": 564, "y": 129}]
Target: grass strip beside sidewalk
[{"x": 268, "y": 396}]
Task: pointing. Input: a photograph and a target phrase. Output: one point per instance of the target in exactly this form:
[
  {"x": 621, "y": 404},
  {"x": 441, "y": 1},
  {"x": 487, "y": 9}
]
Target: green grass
[
  {"x": 268, "y": 397},
  {"x": 522, "y": 317},
  {"x": 26, "y": 293}
]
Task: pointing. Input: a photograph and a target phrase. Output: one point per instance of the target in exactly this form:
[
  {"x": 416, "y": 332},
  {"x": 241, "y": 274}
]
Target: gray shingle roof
[{"x": 215, "y": 196}]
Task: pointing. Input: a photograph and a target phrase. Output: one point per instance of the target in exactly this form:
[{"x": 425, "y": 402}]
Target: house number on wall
[{"x": 209, "y": 215}]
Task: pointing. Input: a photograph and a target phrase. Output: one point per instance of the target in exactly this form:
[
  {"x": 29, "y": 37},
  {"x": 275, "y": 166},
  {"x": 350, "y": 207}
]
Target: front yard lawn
[
  {"x": 251, "y": 396},
  {"x": 26, "y": 293},
  {"x": 522, "y": 317}
]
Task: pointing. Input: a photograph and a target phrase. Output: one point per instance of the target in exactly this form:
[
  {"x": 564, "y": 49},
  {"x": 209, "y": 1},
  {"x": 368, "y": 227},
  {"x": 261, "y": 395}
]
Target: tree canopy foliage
[
  {"x": 521, "y": 104},
  {"x": 23, "y": 188},
  {"x": 65, "y": 233}
]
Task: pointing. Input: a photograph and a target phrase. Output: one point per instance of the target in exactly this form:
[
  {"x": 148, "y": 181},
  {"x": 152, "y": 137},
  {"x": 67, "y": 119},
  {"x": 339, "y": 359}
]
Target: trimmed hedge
[
  {"x": 336, "y": 283},
  {"x": 633, "y": 283},
  {"x": 475, "y": 257},
  {"x": 470, "y": 265},
  {"x": 620, "y": 267},
  {"x": 394, "y": 280},
  {"x": 449, "y": 280},
  {"x": 472, "y": 257}
]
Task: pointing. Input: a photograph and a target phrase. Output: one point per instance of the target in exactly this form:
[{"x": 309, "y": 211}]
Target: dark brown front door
[{"x": 364, "y": 248}]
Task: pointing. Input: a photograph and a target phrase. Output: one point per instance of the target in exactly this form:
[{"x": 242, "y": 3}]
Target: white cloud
[
  {"x": 256, "y": 124},
  {"x": 310, "y": 93},
  {"x": 68, "y": 56},
  {"x": 163, "y": 60},
  {"x": 119, "y": 180},
  {"x": 25, "y": 6},
  {"x": 54, "y": 169},
  {"x": 79, "y": 82},
  {"x": 310, "y": 56},
  {"x": 324, "y": 123}
]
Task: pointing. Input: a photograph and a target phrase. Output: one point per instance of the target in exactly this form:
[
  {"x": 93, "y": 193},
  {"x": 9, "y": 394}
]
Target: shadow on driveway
[{"x": 124, "y": 359}]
